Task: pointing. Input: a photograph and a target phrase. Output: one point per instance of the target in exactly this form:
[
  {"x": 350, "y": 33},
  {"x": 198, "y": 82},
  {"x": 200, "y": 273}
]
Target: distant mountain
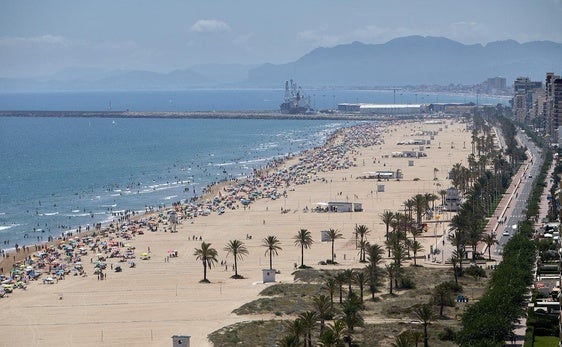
[
  {"x": 415, "y": 60},
  {"x": 199, "y": 76},
  {"x": 412, "y": 60}
]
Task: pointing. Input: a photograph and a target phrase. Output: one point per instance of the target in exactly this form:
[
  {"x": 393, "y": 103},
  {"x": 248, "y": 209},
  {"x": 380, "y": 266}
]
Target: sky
[{"x": 42, "y": 38}]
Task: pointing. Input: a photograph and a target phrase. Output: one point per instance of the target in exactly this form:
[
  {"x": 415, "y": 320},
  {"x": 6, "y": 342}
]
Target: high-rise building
[
  {"x": 553, "y": 106},
  {"x": 522, "y": 101},
  {"x": 493, "y": 85}
]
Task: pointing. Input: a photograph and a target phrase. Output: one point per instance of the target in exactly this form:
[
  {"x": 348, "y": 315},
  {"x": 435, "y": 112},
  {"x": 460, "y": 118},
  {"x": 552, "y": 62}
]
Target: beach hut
[
  {"x": 180, "y": 341},
  {"x": 268, "y": 275},
  {"x": 340, "y": 206}
]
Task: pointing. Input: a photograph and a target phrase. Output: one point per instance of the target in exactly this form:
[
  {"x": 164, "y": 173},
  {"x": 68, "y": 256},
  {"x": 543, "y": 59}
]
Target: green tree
[
  {"x": 340, "y": 280},
  {"x": 374, "y": 256},
  {"x": 349, "y": 276},
  {"x": 352, "y": 316},
  {"x": 334, "y": 234},
  {"x": 490, "y": 240},
  {"x": 362, "y": 230},
  {"x": 308, "y": 320},
  {"x": 288, "y": 341},
  {"x": 442, "y": 295},
  {"x": 443, "y": 193},
  {"x": 425, "y": 315},
  {"x": 416, "y": 248},
  {"x": 322, "y": 305},
  {"x": 361, "y": 279},
  {"x": 402, "y": 340},
  {"x": 238, "y": 251},
  {"x": 333, "y": 336},
  {"x": 294, "y": 329},
  {"x": 386, "y": 217},
  {"x": 272, "y": 245},
  {"x": 304, "y": 240},
  {"x": 420, "y": 206},
  {"x": 391, "y": 273},
  {"x": 208, "y": 257},
  {"x": 331, "y": 284}
]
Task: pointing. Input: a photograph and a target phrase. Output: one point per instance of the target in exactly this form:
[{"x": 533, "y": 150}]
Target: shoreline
[
  {"x": 163, "y": 295},
  {"x": 13, "y": 255}
]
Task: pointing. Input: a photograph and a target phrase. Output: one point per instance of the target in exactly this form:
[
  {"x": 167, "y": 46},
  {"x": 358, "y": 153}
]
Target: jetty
[{"x": 206, "y": 115}]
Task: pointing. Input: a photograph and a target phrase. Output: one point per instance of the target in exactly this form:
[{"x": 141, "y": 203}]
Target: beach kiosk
[
  {"x": 180, "y": 341},
  {"x": 268, "y": 275}
]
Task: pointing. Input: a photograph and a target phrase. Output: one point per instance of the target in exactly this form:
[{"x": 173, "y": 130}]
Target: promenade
[{"x": 510, "y": 211}]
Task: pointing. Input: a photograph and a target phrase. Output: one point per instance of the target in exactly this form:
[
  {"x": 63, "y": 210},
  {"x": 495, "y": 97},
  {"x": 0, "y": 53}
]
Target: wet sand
[{"x": 160, "y": 297}]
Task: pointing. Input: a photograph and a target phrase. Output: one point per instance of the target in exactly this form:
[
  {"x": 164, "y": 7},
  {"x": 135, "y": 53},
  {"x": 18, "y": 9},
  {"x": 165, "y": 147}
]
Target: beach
[{"x": 147, "y": 304}]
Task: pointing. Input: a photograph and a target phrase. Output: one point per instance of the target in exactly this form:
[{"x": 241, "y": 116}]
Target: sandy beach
[{"x": 162, "y": 296}]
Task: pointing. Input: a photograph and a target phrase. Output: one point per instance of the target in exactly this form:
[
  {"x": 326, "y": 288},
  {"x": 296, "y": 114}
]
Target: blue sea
[{"x": 60, "y": 173}]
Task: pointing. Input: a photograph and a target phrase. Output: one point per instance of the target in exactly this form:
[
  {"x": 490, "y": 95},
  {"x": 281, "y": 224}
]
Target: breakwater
[{"x": 204, "y": 115}]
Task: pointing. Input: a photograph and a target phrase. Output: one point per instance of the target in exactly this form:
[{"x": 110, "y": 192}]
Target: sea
[{"x": 59, "y": 174}]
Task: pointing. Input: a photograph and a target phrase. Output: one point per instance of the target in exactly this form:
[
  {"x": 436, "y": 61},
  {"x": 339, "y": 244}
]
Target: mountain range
[{"x": 412, "y": 60}]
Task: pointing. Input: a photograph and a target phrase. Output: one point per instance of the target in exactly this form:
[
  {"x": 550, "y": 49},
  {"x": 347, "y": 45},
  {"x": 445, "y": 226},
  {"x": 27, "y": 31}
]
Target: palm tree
[
  {"x": 272, "y": 245},
  {"x": 416, "y": 337},
  {"x": 331, "y": 284},
  {"x": 323, "y": 307},
  {"x": 390, "y": 271},
  {"x": 295, "y": 329},
  {"x": 443, "y": 193},
  {"x": 208, "y": 257},
  {"x": 416, "y": 248},
  {"x": 374, "y": 256},
  {"x": 352, "y": 317},
  {"x": 362, "y": 230},
  {"x": 361, "y": 279},
  {"x": 238, "y": 250},
  {"x": 424, "y": 314},
  {"x": 420, "y": 206},
  {"x": 442, "y": 295},
  {"x": 387, "y": 216},
  {"x": 340, "y": 280},
  {"x": 474, "y": 236},
  {"x": 333, "y": 336},
  {"x": 402, "y": 340},
  {"x": 348, "y": 274},
  {"x": 308, "y": 320},
  {"x": 288, "y": 341},
  {"x": 430, "y": 198},
  {"x": 363, "y": 245},
  {"x": 334, "y": 234},
  {"x": 304, "y": 240},
  {"x": 489, "y": 240},
  {"x": 455, "y": 261}
]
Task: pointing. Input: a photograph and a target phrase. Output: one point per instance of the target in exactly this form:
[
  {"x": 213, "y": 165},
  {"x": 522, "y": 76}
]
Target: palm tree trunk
[
  {"x": 270, "y": 260},
  {"x": 341, "y": 294},
  {"x": 204, "y": 270},
  {"x": 361, "y": 292},
  {"x": 235, "y": 266},
  {"x": 332, "y": 251},
  {"x": 302, "y": 256}
]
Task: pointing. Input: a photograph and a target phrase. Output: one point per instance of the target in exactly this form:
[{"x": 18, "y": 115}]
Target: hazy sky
[{"x": 39, "y": 38}]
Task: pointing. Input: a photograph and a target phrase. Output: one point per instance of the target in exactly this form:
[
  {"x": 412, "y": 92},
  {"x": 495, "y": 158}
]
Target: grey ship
[{"x": 295, "y": 102}]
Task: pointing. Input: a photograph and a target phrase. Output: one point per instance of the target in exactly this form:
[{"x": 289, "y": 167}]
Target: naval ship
[{"x": 295, "y": 102}]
